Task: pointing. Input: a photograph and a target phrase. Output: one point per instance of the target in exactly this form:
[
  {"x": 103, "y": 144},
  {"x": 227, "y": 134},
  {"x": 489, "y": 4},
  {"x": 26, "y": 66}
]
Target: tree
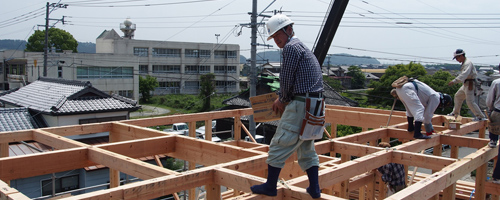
[
  {"x": 58, "y": 38},
  {"x": 335, "y": 84},
  {"x": 207, "y": 88},
  {"x": 358, "y": 77},
  {"x": 146, "y": 85}
]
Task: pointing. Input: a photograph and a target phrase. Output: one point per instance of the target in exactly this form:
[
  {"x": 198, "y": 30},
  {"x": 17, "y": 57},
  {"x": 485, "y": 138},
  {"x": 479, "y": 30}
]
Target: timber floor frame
[{"x": 238, "y": 164}]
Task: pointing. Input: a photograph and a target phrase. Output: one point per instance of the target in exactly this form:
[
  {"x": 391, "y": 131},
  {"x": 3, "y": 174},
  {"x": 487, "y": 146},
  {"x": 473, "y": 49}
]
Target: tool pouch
[
  {"x": 471, "y": 85},
  {"x": 314, "y": 120}
]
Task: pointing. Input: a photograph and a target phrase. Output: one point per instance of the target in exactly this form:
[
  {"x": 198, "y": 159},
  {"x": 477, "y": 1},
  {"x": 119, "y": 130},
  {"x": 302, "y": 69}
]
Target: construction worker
[
  {"x": 420, "y": 102},
  {"x": 466, "y": 92},
  {"x": 493, "y": 104},
  {"x": 300, "y": 78},
  {"x": 392, "y": 174}
]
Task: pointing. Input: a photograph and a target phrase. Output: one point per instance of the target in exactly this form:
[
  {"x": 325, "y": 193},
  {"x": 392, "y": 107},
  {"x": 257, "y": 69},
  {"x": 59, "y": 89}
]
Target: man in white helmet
[
  {"x": 300, "y": 79},
  {"x": 467, "y": 76}
]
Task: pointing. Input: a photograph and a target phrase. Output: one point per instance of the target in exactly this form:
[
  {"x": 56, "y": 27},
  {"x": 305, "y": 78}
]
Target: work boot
[
  {"x": 411, "y": 127},
  {"x": 269, "y": 188},
  {"x": 417, "y": 133},
  {"x": 313, "y": 189}
]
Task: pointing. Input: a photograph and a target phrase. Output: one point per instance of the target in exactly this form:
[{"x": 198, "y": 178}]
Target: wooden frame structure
[{"x": 238, "y": 164}]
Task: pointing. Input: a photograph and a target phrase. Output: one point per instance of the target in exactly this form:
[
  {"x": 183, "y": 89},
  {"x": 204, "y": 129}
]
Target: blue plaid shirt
[
  {"x": 300, "y": 71},
  {"x": 393, "y": 173}
]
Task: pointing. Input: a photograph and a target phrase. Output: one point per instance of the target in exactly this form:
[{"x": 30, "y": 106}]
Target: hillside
[
  {"x": 335, "y": 59},
  {"x": 83, "y": 47}
]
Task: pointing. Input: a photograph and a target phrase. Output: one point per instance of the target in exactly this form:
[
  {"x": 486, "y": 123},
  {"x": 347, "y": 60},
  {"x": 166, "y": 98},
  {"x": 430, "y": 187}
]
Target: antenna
[{"x": 128, "y": 28}]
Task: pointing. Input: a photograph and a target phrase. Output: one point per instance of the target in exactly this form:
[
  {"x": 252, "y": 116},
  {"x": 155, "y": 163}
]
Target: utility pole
[
  {"x": 253, "y": 57},
  {"x": 46, "y": 48}
]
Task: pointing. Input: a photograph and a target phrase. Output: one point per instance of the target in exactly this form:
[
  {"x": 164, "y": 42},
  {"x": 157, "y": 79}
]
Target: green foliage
[
  {"x": 343, "y": 130},
  {"x": 58, "y": 38},
  {"x": 358, "y": 77},
  {"x": 172, "y": 164},
  {"x": 146, "y": 85},
  {"x": 207, "y": 89},
  {"x": 187, "y": 103},
  {"x": 335, "y": 84},
  {"x": 381, "y": 89}
]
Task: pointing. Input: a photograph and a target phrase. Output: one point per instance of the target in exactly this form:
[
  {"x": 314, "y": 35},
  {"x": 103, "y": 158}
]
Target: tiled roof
[
  {"x": 14, "y": 119},
  {"x": 60, "y": 97}
]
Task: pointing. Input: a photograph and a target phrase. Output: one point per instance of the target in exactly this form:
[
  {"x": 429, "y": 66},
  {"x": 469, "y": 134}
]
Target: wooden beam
[
  {"x": 16, "y": 136},
  {"x": 79, "y": 129},
  {"x": 56, "y": 141},
  {"x": 126, "y": 164},
  {"x": 463, "y": 141},
  {"x": 447, "y": 176},
  {"x": 352, "y": 118},
  {"x": 171, "y": 119},
  {"x": 421, "y": 160},
  {"x": 131, "y": 132},
  {"x": 153, "y": 188},
  {"x": 142, "y": 147},
  {"x": 22, "y": 166},
  {"x": 237, "y": 128}
]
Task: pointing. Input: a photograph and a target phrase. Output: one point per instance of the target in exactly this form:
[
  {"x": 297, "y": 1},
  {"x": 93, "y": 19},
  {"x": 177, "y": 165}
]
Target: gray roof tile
[{"x": 15, "y": 119}]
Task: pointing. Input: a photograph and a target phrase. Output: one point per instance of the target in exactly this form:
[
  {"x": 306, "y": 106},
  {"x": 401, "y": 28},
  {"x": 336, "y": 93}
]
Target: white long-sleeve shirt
[
  {"x": 467, "y": 71},
  {"x": 415, "y": 103},
  {"x": 493, "y": 97}
]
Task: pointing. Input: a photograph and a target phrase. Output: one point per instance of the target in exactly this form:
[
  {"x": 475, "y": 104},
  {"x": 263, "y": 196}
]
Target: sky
[{"x": 392, "y": 31}]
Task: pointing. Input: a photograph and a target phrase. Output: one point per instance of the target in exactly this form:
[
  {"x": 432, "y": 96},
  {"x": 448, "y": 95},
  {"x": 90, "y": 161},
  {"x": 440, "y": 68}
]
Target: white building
[{"x": 118, "y": 62}]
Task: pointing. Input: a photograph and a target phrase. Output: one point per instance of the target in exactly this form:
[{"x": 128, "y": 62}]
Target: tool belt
[
  {"x": 470, "y": 84},
  {"x": 494, "y": 125},
  {"x": 314, "y": 119}
]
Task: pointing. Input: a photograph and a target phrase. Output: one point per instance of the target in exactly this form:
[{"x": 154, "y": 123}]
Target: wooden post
[
  {"x": 482, "y": 131},
  {"x": 449, "y": 192},
  {"x": 333, "y": 134},
  {"x": 344, "y": 185},
  {"x": 454, "y": 152},
  {"x": 114, "y": 175},
  {"x": 192, "y": 191},
  {"x": 208, "y": 130},
  {"x": 437, "y": 151},
  {"x": 370, "y": 187},
  {"x": 4, "y": 152},
  {"x": 480, "y": 192},
  {"x": 237, "y": 128},
  {"x": 213, "y": 191}
]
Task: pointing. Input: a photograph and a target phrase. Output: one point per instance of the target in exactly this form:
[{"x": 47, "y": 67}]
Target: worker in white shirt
[
  {"x": 467, "y": 91},
  {"x": 420, "y": 102}
]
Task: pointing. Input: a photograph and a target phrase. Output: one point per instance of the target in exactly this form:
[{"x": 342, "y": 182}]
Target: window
[
  {"x": 62, "y": 184},
  {"x": 220, "y": 54},
  {"x": 143, "y": 69},
  {"x": 225, "y": 84},
  {"x": 104, "y": 72},
  {"x": 166, "y": 69},
  {"x": 224, "y": 69},
  {"x": 225, "y": 54},
  {"x": 169, "y": 84},
  {"x": 231, "y": 54},
  {"x": 205, "y": 53},
  {"x": 126, "y": 93},
  {"x": 192, "y": 53},
  {"x": 166, "y": 52},
  {"x": 192, "y": 84},
  {"x": 59, "y": 71},
  {"x": 191, "y": 69},
  {"x": 204, "y": 69},
  {"x": 141, "y": 51}
]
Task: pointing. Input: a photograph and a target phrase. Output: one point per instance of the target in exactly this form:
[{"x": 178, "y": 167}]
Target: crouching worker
[
  {"x": 393, "y": 174},
  {"x": 420, "y": 102}
]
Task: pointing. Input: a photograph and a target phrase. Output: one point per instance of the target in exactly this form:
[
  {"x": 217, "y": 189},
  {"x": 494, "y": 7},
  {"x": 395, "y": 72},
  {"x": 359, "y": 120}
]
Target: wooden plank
[
  {"x": 213, "y": 191},
  {"x": 153, "y": 188},
  {"x": 447, "y": 176},
  {"x": 171, "y": 119},
  {"x": 126, "y": 164},
  {"x": 364, "y": 137},
  {"x": 237, "y": 128},
  {"x": 131, "y": 132},
  {"x": 421, "y": 160},
  {"x": 142, "y": 147},
  {"x": 16, "y": 136},
  {"x": 352, "y": 118},
  {"x": 480, "y": 192},
  {"x": 56, "y": 141},
  {"x": 464, "y": 141},
  {"x": 4, "y": 150},
  {"x": 22, "y": 166},
  {"x": 352, "y": 149},
  {"x": 79, "y": 129}
]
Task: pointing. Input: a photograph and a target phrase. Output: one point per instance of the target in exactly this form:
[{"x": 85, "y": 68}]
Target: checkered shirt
[{"x": 393, "y": 173}]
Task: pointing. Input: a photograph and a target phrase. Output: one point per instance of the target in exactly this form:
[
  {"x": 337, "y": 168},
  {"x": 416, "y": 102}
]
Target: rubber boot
[
  {"x": 269, "y": 188},
  {"x": 411, "y": 128},
  {"x": 313, "y": 189},
  {"x": 417, "y": 133}
]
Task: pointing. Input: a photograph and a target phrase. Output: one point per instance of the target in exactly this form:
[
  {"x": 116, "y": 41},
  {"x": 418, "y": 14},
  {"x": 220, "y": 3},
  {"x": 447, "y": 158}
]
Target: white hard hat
[{"x": 277, "y": 22}]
